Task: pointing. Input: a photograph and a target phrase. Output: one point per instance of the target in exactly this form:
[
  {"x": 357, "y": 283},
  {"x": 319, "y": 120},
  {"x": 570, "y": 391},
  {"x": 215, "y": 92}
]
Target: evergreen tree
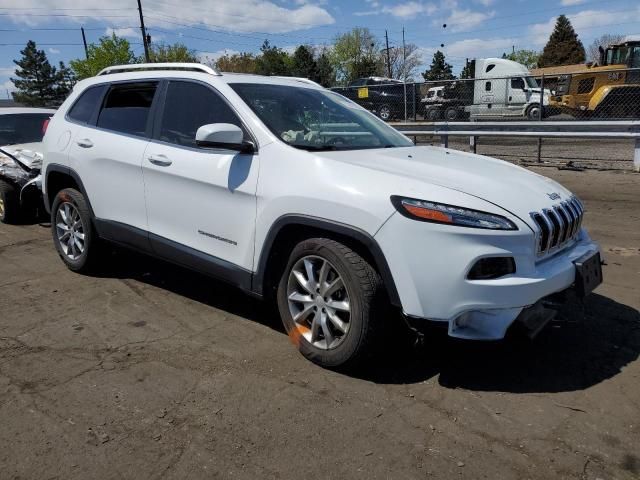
[
  {"x": 65, "y": 80},
  {"x": 563, "y": 47},
  {"x": 303, "y": 63},
  {"x": 273, "y": 61},
  {"x": 468, "y": 71},
  {"x": 439, "y": 69},
  {"x": 326, "y": 75},
  {"x": 36, "y": 82}
]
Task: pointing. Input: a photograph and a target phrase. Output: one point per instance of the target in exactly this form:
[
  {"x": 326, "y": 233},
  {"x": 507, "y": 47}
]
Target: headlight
[{"x": 426, "y": 211}]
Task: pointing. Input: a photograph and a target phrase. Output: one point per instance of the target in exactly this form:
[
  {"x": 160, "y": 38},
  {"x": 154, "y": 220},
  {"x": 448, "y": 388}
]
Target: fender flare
[
  {"x": 342, "y": 229},
  {"x": 55, "y": 167}
]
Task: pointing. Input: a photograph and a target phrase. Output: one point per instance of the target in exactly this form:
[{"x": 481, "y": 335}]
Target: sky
[{"x": 466, "y": 28}]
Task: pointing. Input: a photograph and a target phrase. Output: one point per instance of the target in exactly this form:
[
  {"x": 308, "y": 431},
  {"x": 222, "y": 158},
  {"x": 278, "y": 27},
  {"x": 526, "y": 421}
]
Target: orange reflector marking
[
  {"x": 296, "y": 332},
  {"x": 427, "y": 214}
]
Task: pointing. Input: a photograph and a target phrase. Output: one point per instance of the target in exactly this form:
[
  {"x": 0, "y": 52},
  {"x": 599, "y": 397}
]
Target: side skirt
[{"x": 173, "y": 252}]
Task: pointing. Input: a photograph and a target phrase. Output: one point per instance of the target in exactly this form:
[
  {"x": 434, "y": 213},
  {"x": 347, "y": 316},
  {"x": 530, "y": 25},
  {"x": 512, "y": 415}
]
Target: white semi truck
[{"x": 501, "y": 89}]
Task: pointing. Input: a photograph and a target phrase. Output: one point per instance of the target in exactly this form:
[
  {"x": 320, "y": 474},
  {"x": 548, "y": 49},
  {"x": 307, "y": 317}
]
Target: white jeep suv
[{"x": 292, "y": 192}]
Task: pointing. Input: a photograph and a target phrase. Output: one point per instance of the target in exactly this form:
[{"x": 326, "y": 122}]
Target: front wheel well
[{"x": 272, "y": 266}]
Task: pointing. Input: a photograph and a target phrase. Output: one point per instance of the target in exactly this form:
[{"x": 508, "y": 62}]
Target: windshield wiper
[{"x": 315, "y": 148}]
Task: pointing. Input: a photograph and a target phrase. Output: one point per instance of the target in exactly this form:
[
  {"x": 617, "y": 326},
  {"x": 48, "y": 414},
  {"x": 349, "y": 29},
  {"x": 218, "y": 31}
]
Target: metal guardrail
[{"x": 564, "y": 129}]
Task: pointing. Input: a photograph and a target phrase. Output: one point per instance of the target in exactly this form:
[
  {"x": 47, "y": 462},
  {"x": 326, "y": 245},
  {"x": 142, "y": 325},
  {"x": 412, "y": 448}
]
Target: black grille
[
  {"x": 586, "y": 84},
  {"x": 557, "y": 227}
]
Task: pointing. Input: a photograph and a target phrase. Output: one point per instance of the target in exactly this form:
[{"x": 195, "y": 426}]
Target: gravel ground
[
  {"x": 599, "y": 154},
  {"x": 150, "y": 371}
]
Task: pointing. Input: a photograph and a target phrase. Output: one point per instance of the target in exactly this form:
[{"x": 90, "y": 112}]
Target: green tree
[
  {"x": 303, "y": 64},
  {"x": 326, "y": 75},
  {"x": 439, "y": 69},
  {"x": 110, "y": 51},
  {"x": 65, "y": 80},
  {"x": 273, "y": 61},
  {"x": 563, "y": 47},
  {"x": 528, "y": 58},
  {"x": 178, "y": 52},
  {"x": 356, "y": 54},
  {"x": 237, "y": 63},
  {"x": 36, "y": 82},
  {"x": 469, "y": 70}
]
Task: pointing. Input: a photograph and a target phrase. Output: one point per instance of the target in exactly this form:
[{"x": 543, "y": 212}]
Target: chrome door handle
[
  {"x": 159, "y": 160},
  {"x": 85, "y": 143}
]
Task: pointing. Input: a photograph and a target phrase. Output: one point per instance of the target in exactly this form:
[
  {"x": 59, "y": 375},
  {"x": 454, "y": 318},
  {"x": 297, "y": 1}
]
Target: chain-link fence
[{"x": 596, "y": 93}]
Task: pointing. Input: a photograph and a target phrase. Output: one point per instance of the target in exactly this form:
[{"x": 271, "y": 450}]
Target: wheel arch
[
  {"x": 58, "y": 177},
  {"x": 289, "y": 230}
]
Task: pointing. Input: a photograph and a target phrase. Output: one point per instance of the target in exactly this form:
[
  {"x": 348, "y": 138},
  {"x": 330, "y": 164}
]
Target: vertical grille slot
[
  {"x": 555, "y": 228},
  {"x": 566, "y": 224},
  {"x": 558, "y": 226}
]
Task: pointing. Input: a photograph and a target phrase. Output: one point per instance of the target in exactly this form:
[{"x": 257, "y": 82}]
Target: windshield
[
  {"x": 312, "y": 119},
  {"x": 22, "y": 128}
]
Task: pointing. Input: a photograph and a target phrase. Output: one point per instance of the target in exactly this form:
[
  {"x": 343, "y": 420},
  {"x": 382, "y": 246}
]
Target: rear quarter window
[{"x": 86, "y": 104}]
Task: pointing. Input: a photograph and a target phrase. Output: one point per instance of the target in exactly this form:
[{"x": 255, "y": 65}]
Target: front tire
[
  {"x": 328, "y": 298},
  {"x": 74, "y": 237},
  {"x": 533, "y": 112},
  {"x": 9, "y": 203}
]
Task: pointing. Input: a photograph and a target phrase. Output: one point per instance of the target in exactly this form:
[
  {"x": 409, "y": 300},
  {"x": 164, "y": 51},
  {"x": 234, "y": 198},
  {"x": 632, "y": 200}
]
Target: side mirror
[{"x": 223, "y": 135}]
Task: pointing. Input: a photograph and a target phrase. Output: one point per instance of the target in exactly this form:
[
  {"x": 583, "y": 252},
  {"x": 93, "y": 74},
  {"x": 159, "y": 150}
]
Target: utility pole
[
  {"x": 386, "y": 37},
  {"x": 84, "y": 40},
  {"x": 404, "y": 73},
  {"x": 144, "y": 34}
]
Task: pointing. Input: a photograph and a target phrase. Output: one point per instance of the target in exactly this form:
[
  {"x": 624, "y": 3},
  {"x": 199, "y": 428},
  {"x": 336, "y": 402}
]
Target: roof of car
[
  {"x": 25, "y": 110},
  {"x": 189, "y": 70}
]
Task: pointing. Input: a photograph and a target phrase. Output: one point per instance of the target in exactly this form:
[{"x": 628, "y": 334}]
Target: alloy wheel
[
  {"x": 385, "y": 113},
  {"x": 319, "y": 302},
  {"x": 70, "y": 230}
]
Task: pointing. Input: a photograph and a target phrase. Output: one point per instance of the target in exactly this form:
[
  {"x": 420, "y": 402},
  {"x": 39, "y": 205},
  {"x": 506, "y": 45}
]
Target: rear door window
[
  {"x": 86, "y": 104},
  {"x": 126, "y": 108}
]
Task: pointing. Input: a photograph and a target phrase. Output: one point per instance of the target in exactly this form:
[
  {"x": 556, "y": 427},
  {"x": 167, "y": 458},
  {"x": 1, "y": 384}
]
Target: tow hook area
[{"x": 535, "y": 317}]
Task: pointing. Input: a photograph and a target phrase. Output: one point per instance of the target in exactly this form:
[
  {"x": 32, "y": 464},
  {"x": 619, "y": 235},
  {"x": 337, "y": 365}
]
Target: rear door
[
  {"x": 203, "y": 199},
  {"x": 107, "y": 151}
]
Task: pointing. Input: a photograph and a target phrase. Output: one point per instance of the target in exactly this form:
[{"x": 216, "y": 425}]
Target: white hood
[{"x": 508, "y": 186}]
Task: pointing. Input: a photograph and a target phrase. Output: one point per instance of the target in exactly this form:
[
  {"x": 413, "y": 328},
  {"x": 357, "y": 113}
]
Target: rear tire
[
  {"x": 432, "y": 115},
  {"x": 451, "y": 114},
  {"x": 331, "y": 326},
  {"x": 73, "y": 233},
  {"x": 9, "y": 203},
  {"x": 384, "y": 112}
]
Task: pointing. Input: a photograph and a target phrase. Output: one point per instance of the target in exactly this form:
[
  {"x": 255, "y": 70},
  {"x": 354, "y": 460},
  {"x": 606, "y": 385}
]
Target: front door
[{"x": 199, "y": 200}]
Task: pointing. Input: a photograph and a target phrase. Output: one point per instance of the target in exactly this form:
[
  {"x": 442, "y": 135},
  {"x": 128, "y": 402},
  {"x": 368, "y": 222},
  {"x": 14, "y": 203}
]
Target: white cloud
[
  {"x": 584, "y": 20},
  {"x": 410, "y": 9},
  {"x": 54, "y": 51},
  {"x": 7, "y": 71},
  {"x": 123, "y": 32},
  {"x": 570, "y": 3},
  {"x": 237, "y": 16},
  {"x": 463, "y": 20}
]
